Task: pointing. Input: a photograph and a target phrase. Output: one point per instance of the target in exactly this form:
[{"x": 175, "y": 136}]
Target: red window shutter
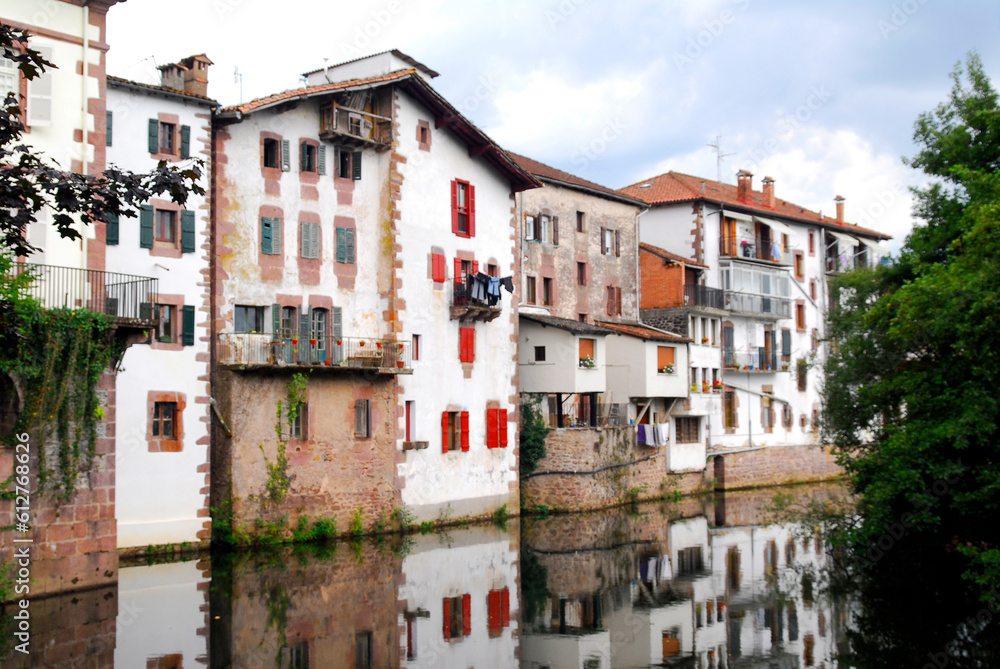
[
  {"x": 617, "y": 244},
  {"x": 495, "y": 624},
  {"x": 458, "y": 270},
  {"x": 467, "y": 344},
  {"x": 502, "y": 416},
  {"x": 454, "y": 206},
  {"x": 604, "y": 250},
  {"x": 444, "y": 432},
  {"x": 465, "y": 433},
  {"x": 475, "y": 267},
  {"x": 505, "y": 607},
  {"x": 492, "y": 429},
  {"x": 466, "y": 615},
  {"x": 472, "y": 209},
  {"x": 446, "y": 614},
  {"x": 437, "y": 267}
]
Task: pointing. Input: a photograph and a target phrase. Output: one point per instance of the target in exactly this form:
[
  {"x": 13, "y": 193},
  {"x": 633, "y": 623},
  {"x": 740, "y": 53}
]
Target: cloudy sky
[{"x": 820, "y": 96}]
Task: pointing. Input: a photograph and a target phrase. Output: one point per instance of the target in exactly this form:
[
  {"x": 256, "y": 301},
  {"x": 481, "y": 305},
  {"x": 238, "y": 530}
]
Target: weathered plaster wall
[{"x": 775, "y": 466}]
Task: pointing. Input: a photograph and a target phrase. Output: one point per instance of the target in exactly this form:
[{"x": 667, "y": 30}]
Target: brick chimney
[
  {"x": 840, "y": 208},
  {"x": 768, "y": 190},
  {"x": 744, "y": 185},
  {"x": 189, "y": 75}
]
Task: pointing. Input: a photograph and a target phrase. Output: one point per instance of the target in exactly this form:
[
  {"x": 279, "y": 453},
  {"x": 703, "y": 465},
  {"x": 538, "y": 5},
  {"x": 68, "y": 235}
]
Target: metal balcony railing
[
  {"x": 703, "y": 296},
  {"x": 756, "y": 360},
  {"x": 126, "y": 298},
  {"x": 758, "y": 304},
  {"x": 264, "y": 349},
  {"x": 754, "y": 247}
]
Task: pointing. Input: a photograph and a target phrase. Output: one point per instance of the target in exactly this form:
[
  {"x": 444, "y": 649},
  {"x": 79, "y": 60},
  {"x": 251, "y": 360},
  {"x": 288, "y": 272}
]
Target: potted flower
[
  {"x": 587, "y": 362},
  {"x": 667, "y": 369},
  {"x": 705, "y": 386},
  {"x": 378, "y": 344},
  {"x": 312, "y": 341},
  {"x": 694, "y": 387},
  {"x": 704, "y": 340},
  {"x": 717, "y": 386}
]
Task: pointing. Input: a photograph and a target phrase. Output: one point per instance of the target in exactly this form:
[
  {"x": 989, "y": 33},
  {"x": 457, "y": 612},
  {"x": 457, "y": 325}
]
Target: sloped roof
[
  {"x": 675, "y": 187},
  {"x": 408, "y": 80},
  {"x": 395, "y": 52},
  {"x": 128, "y": 83},
  {"x": 559, "y": 177},
  {"x": 641, "y": 331},
  {"x": 575, "y": 327},
  {"x": 667, "y": 255}
]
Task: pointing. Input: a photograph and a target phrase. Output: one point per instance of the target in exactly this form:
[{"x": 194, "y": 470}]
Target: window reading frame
[{"x": 164, "y": 420}]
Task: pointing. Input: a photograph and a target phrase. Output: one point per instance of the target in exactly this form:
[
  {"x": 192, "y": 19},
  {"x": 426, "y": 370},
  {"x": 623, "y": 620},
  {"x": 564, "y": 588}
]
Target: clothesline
[{"x": 654, "y": 434}]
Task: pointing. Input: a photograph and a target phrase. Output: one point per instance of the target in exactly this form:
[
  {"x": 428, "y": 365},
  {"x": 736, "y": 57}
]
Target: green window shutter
[
  {"x": 154, "y": 136},
  {"x": 356, "y": 164},
  {"x": 185, "y": 141},
  {"x": 349, "y": 250},
  {"x": 786, "y": 343},
  {"x": 276, "y": 236},
  {"x": 302, "y": 156},
  {"x": 338, "y": 325},
  {"x": 304, "y": 322},
  {"x": 146, "y": 226},
  {"x": 321, "y": 159},
  {"x": 187, "y": 231},
  {"x": 286, "y": 158},
  {"x": 314, "y": 240},
  {"x": 107, "y": 131},
  {"x": 187, "y": 325},
  {"x": 111, "y": 230},
  {"x": 304, "y": 239},
  {"x": 341, "y": 245},
  {"x": 276, "y": 320},
  {"x": 265, "y": 235}
]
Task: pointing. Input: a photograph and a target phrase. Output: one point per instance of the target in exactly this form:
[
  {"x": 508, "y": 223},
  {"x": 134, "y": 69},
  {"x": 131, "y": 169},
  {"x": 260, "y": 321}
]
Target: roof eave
[{"x": 592, "y": 191}]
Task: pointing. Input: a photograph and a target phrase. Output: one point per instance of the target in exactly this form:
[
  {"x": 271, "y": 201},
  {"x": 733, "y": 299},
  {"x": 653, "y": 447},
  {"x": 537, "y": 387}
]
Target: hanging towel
[
  {"x": 652, "y": 569},
  {"x": 776, "y": 252},
  {"x": 494, "y": 287},
  {"x": 663, "y": 430},
  {"x": 666, "y": 573},
  {"x": 642, "y": 434}
]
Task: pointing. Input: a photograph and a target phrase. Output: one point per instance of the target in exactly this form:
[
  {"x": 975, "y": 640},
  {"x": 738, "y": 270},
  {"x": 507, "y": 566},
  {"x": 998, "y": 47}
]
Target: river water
[{"x": 708, "y": 582}]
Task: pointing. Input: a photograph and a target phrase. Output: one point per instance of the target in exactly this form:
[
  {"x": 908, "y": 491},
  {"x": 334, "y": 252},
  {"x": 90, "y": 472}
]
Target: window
[
  {"x": 165, "y": 326},
  {"x": 10, "y": 77},
  {"x": 587, "y": 349},
  {"x": 579, "y": 221},
  {"x": 289, "y": 322},
  {"x": 363, "y": 650},
  {"x": 800, "y": 272},
  {"x": 689, "y": 561},
  {"x": 166, "y": 142},
  {"x": 309, "y": 244},
  {"x": 362, "y": 418},
  {"x": 454, "y": 431},
  {"x": 345, "y": 247},
  {"x": 319, "y": 323},
  {"x": 272, "y": 156},
  {"x": 610, "y": 242},
  {"x": 547, "y": 297},
  {"x": 463, "y": 208},
  {"x": 767, "y": 413},
  {"x": 163, "y": 419},
  {"x": 298, "y": 656},
  {"x": 548, "y": 229},
  {"x": 270, "y": 235},
  {"x": 664, "y": 359},
  {"x": 581, "y": 274},
  {"x": 582, "y": 318},
  {"x": 687, "y": 429},
  {"x": 457, "y": 617},
  {"x": 297, "y": 428},
  {"x": 348, "y": 164},
  {"x": 309, "y": 156},
  {"x": 498, "y": 610},
  {"x": 812, "y": 288},
  {"x": 415, "y": 347},
  {"x": 800, "y": 316},
  {"x": 539, "y": 354},
  {"x": 467, "y": 344},
  {"x": 614, "y": 301},
  {"x": 108, "y": 126},
  {"x": 492, "y": 270},
  {"x": 164, "y": 228},
  {"x": 529, "y": 290},
  {"x": 803, "y": 374},
  {"x": 248, "y": 319},
  {"x": 815, "y": 339},
  {"x": 786, "y": 415},
  {"x": 496, "y": 428},
  {"x": 812, "y": 242},
  {"x": 530, "y": 229}
]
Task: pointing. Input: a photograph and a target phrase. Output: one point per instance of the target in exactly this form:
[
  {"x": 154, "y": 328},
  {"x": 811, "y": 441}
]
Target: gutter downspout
[
  {"x": 638, "y": 224},
  {"x": 83, "y": 116},
  {"x": 519, "y": 243}
]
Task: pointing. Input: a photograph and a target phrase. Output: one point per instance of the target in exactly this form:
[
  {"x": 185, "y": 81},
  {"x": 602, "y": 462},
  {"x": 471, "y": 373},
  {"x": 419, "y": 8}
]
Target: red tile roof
[
  {"x": 640, "y": 331},
  {"x": 309, "y": 91},
  {"x": 549, "y": 173},
  {"x": 676, "y": 187},
  {"x": 667, "y": 255},
  {"x": 128, "y": 83}
]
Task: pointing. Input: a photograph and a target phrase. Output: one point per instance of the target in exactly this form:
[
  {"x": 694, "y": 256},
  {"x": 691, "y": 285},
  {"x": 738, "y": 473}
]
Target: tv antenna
[
  {"x": 719, "y": 156},
  {"x": 238, "y": 79}
]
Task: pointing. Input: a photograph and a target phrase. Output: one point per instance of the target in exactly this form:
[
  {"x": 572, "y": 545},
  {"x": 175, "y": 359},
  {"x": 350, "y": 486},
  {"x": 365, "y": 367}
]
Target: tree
[
  {"x": 29, "y": 182},
  {"x": 910, "y": 387}
]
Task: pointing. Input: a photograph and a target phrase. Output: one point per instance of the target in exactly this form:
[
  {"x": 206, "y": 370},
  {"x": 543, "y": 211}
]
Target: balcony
[
  {"x": 754, "y": 247},
  {"x": 354, "y": 128},
  {"x": 758, "y": 305},
  {"x": 468, "y": 305},
  {"x": 703, "y": 296},
  {"x": 757, "y": 361},
  {"x": 265, "y": 351},
  {"x": 127, "y": 299}
]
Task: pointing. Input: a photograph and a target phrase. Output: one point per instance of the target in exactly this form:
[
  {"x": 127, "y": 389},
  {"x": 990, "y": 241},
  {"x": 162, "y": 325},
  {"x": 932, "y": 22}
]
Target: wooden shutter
[
  {"x": 618, "y": 250},
  {"x": 276, "y": 320},
  {"x": 555, "y": 230},
  {"x": 303, "y": 148},
  {"x": 437, "y": 268},
  {"x": 618, "y": 299},
  {"x": 146, "y": 226},
  {"x": 467, "y": 344},
  {"x": 304, "y": 317},
  {"x": 108, "y": 127},
  {"x": 356, "y": 165},
  {"x": 349, "y": 245},
  {"x": 40, "y": 103},
  {"x": 492, "y": 428},
  {"x": 286, "y": 157},
  {"x": 786, "y": 342},
  {"x": 465, "y": 432},
  {"x": 187, "y": 325},
  {"x": 502, "y": 416},
  {"x": 266, "y": 234},
  {"x": 185, "y": 141},
  {"x": 475, "y": 267},
  {"x": 314, "y": 240},
  {"x": 505, "y": 607},
  {"x": 444, "y": 444},
  {"x": 304, "y": 239},
  {"x": 458, "y": 270},
  {"x": 342, "y": 245},
  {"x": 493, "y": 607},
  {"x": 321, "y": 159},
  {"x": 586, "y": 348},
  {"x": 187, "y": 231},
  {"x": 454, "y": 206},
  {"x": 276, "y": 236},
  {"x": 146, "y": 311},
  {"x": 338, "y": 325},
  {"x": 664, "y": 356},
  {"x": 154, "y": 136},
  {"x": 471, "y": 202},
  {"x": 359, "y": 418},
  {"x": 466, "y": 613},
  {"x": 446, "y": 612},
  {"x": 111, "y": 230}
]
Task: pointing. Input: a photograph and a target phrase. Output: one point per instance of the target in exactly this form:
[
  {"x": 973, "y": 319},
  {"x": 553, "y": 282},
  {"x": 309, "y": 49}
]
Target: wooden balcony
[
  {"x": 354, "y": 128},
  {"x": 252, "y": 350}
]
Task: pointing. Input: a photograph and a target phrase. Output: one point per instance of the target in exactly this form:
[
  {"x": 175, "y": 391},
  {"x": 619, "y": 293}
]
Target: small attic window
[{"x": 646, "y": 185}]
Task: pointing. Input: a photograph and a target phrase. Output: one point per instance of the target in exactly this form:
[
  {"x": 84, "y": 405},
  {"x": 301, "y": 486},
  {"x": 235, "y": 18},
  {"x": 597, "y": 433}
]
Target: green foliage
[
  {"x": 357, "y": 523},
  {"x": 542, "y": 511},
  {"x": 532, "y": 434},
  {"x": 534, "y": 586},
  {"x": 632, "y": 495},
  {"x": 278, "y": 480},
  {"x": 320, "y": 530},
  {"x": 404, "y": 517},
  {"x": 500, "y": 516},
  {"x": 426, "y": 527}
]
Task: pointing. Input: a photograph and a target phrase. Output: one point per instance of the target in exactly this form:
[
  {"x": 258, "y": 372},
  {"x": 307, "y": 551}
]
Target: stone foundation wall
[{"x": 775, "y": 465}]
